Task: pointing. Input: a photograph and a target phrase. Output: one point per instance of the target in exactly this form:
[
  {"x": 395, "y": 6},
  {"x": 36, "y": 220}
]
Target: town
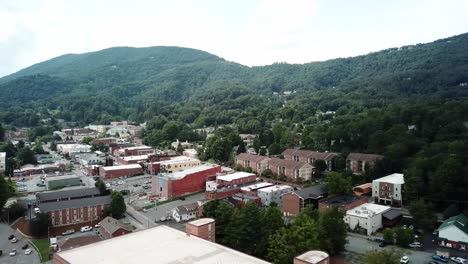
[{"x": 100, "y": 192}]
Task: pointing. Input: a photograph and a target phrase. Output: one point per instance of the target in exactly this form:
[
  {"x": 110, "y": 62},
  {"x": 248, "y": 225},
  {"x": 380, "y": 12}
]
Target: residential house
[
  {"x": 295, "y": 201},
  {"x": 310, "y": 157},
  {"x": 185, "y": 212},
  {"x": 357, "y": 162},
  {"x": 111, "y": 227},
  {"x": 256, "y": 162},
  {"x": 292, "y": 169},
  {"x": 388, "y": 189}
]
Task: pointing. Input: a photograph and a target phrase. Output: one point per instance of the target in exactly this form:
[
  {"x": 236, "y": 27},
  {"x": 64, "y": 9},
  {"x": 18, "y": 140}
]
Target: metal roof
[
  {"x": 76, "y": 203},
  {"x": 56, "y": 195}
]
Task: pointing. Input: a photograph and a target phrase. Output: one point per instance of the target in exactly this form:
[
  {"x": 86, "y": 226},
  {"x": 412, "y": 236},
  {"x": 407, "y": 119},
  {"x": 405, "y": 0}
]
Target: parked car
[
  {"x": 459, "y": 260},
  {"x": 439, "y": 258},
  {"x": 146, "y": 182},
  {"x": 1, "y": 253},
  {"x": 404, "y": 259},
  {"x": 120, "y": 182},
  {"x": 27, "y": 251},
  {"x": 182, "y": 198},
  {"x": 415, "y": 245},
  {"x": 10, "y": 237},
  {"x": 97, "y": 226},
  {"x": 14, "y": 240},
  {"x": 382, "y": 244},
  {"x": 108, "y": 185},
  {"x": 136, "y": 185},
  {"x": 25, "y": 246},
  {"x": 13, "y": 252},
  {"x": 85, "y": 229},
  {"x": 37, "y": 210},
  {"x": 125, "y": 192},
  {"x": 68, "y": 232}
]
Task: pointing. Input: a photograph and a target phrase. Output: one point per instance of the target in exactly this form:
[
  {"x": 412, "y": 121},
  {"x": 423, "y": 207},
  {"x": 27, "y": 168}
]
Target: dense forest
[{"x": 408, "y": 103}]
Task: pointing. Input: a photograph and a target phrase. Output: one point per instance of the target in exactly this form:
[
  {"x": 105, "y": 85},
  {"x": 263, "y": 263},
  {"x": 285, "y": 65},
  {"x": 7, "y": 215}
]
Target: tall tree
[
  {"x": 382, "y": 257},
  {"x": 338, "y": 183},
  {"x": 4, "y": 190},
  {"x": 423, "y": 214},
  {"x": 332, "y": 231},
  {"x": 117, "y": 207}
]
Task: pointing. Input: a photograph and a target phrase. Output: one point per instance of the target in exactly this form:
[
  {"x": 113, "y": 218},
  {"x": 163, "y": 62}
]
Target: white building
[
  {"x": 273, "y": 194},
  {"x": 2, "y": 161},
  {"x": 73, "y": 148},
  {"x": 211, "y": 186},
  {"x": 185, "y": 212},
  {"x": 453, "y": 232},
  {"x": 367, "y": 216},
  {"x": 388, "y": 189},
  {"x": 86, "y": 159},
  {"x": 191, "y": 153}
]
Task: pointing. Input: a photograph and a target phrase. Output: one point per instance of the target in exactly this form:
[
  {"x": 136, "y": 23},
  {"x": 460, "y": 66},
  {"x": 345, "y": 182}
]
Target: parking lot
[{"x": 6, "y": 246}]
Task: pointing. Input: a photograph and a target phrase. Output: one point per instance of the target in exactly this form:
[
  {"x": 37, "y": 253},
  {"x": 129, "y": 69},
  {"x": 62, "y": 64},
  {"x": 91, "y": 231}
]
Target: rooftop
[
  {"x": 181, "y": 174},
  {"x": 395, "y": 178},
  {"x": 392, "y": 214},
  {"x": 178, "y": 159},
  {"x": 460, "y": 221},
  {"x": 122, "y": 167},
  {"x": 368, "y": 210},
  {"x": 75, "y": 203},
  {"x": 313, "y": 256},
  {"x": 275, "y": 188},
  {"x": 256, "y": 186},
  {"x": 111, "y": 225},
  {"x": 176, "y": 247},
  {"x": 313, "y": 192},
  {"x": 138, "y": 148},
  {"x": 138, "y": 157},
  {"x": 340, "y": 200},
  {"x": 2, "y": 154},
  {"x": 235, "y": 176},
  {"x": 310, "y": 154},
  {"x": 201, "y": 221},
  {"x": 54, "y": 195},
  {"x": 62, "y": 177},
  {"x": 251, "y": 157}
]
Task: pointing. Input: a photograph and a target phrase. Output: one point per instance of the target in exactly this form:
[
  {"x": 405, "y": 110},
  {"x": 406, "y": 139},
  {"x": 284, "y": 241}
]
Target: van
[{"x": 37, "y": 210}]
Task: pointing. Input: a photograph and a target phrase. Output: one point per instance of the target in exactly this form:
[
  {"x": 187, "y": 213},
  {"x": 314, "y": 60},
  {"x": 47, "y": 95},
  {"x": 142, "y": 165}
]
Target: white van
[{"x": 37, "y": 210}]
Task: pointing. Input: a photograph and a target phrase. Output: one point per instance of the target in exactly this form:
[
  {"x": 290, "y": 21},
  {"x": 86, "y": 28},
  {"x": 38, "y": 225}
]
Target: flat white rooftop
[
  {"x": 138, "y": 147},
  {"x": 275, "y": 188},
  {"x": 138, "y": 157},
  {"x": 2, "y": 154},
  {"x": 395, "y": 178},
  {"x": 313, "y": 256},
  {"x": 162, "y": 245},
  {"x": 178, "y": 159},
  {"x": 256, "y": 186},
  {"x": 201, "y": 221},
  {"x": 235, "y": 176},
  {"x": 183, "y": 173},
  {"x": 368, "y": 210},
  {"x": 122, "y": 167}
]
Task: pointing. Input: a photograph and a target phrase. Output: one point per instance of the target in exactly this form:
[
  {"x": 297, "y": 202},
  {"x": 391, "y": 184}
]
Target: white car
[
  {"x": 97, "y": 226},
  {"x": 459, "y": 260},
  {"x": 415, "y": 245},
  {"x": 13, "y": 252},
  {"x": 120, "y": 182},
  {"x": 14, "y": 240},
  {"x": 37, "y": 210},
  {"x": 108, "y": 185},
  {"x": 27, "y": 251},
  {"x": 85, "y": 229},
  {"x": 404, "y": 259}
]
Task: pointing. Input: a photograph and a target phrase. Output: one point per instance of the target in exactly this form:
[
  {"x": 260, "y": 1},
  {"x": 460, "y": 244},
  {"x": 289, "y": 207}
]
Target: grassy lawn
[{"x": 43, "y": 246}]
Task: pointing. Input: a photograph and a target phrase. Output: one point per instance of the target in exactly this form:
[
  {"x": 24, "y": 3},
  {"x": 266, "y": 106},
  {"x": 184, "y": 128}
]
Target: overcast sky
[{"x": 250, "y": 32}]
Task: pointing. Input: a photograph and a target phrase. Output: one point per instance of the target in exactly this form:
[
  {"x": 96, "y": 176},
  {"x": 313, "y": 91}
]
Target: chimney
[{"x": 203, "y": 228}]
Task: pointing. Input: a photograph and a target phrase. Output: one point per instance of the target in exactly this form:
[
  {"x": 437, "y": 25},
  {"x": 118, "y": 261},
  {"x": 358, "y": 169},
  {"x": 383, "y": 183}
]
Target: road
[{"x": 6, "y": 246}]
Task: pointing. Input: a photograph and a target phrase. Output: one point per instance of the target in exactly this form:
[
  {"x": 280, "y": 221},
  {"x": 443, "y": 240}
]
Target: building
[
  {"x": 133, "y": 151},
  {"x": 357, "y": 162},
  {"x": 141, "y": 247},
  {"x": 185, "y": 212},
  {"x": 236, "y": 178},
  {"x": 343, "y": 202},
  {"x": 87, "y": 159},
  {"x": 363, "y": 189},
  {"x": 112, "y": 172},
  {"x": 247, "y": 138},
  {"x": 132, "y": 159},
  {"x": 240, "y": 199},
  {"x": 191, "y": 153},
  {"x": 73, "y": 206},
  {"x": 252, "y": 189},
  {"x": 111, "y": 227},
  {"x": 453, "y": 233},
  {"x": 293, "y": 170},
  {"x": 222, "y": 193},
  {"x": 310, "y": 157},
  {"x": 273, "y": 194},
  {"x": 295, "y": 201},
  {"x": 57, "y": 182},
  {"x": 312, "y": 257},
  {"x": 388, "y": 189},
  {"x": 105, "y": 141},
  {"x": 392, "y": 217},
  {"x": 30, "y": 169},
  {"x": 203, "y": 228},
  {"x": 176, "y": 164},
  {"x": 256, "y": 162},
  {"x": 2, "y": 161},
  {"x": 184, "y": 145},
  {"x": 366, "y": 216},
  {"x": 67, "y": 149},
  {"x": 169, "y": 185}
]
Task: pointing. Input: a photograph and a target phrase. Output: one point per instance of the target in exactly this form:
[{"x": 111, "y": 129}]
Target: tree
[
  {"x": 117, "y": 207},
  {"x": 245, "y": 231},
  {"x": 4, "y": 191},
  {"x": 15, "y": 210},
  {"x": 86, "y": 140},
  {"x": 179, "y": 149},
  {"x": 262, "y": 151},
  {"x": 26, "y": 156},
  {"x": 39, "y": 225},
  {"x": 332, "y": 231},
  {"x": 382, "y": 257},
  {"x": 404, "y": 236},
  {"x": 53, "y": 146},
  {"x": 2, "y": 133},
  {"x": 241, "y": 148},
  {"x": 274, "y": 149},
  {"x": 320, "y": 165},
  {"x": 272, "y": 221},
  {"x": 423, "y": 214},
  {"x": 388, "y": 235},
  {"x": 267, "y": 173},
  {"x": 101, "y": 186},
  {"x": 337, "y": 183},
  {"x": 223, "y": 215}
]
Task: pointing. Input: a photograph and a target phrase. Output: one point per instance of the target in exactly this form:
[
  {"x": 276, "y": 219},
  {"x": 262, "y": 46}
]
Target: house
[
  {"x": 295, "y": 201},
  {"x": 312, "y": 257},
  {"x": 2, "y": 161},
  {"x": 388, "y": 189},
  {"x": 256, "y": 162},
  {"x": 273, "y": 194},
  {"x": 247, "y": 138},
  {"x": 204, "y": 228},
  {"x": 111, "y": 227},
  {"x": 112, "y": 172},
  {"x": 169, "y": 185},
  {"x": 343, "y": 202},
  {"x": 453, "y": 233},
  {"x": 366, "y": 216},
  {"x": 185, "y": 212},
  {"x": 310, "y": 157},
  {"x": 363, "y": 189},
  {"x": 292, "y": 169},
  {"x": 236, "y": 178},
  {"x": 357, "y": 162}
]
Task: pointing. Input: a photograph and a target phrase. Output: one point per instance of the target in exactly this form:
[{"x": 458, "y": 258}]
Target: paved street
[{"x": 6, "y": 246}]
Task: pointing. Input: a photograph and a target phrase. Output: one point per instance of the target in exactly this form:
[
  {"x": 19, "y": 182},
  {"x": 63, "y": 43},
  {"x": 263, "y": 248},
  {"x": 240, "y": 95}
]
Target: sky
[{"x": 250, "y": 32}]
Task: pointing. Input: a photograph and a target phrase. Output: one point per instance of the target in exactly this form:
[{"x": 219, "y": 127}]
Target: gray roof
[
  {"x": 313, "y": 192},
  {"x": 111, "y": 225},
  {"x": 76, "y": 203},
  {"x": 187, "y": 208},
  {"x": 392, "y": 214},
  {"x": 55, "y": 195}
]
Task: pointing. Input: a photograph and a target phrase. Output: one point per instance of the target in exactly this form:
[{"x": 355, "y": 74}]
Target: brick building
[
  {"x": 112, "y": 172},
  {"x": 132, "y": 159},
  {"x": 310, "y": 157},
  {"x": 111, "y": 227},
  {"x": 252, "y": 189},
  {"x": 204, "y": 228},
  {"x": 357, "y": 162},
  {"x": 388, "y": 189},
  {"x": 256, "y": 162},
  {"x": 295, "y": 201},
  {"x": 174, "y": 164},
  {"x": 240, "y": 199},
  {"x": 290, "y": 168},
  {"x": 272, "y": 194},
  {"x": 222, "y": 192},
  {"x": 192, "y": 180},
  {"x": 343, "y": 202},
  {"x": 133, "y": 151},
  {"x": 106, "y": 141},
  {"x": 236, "y": 178}
]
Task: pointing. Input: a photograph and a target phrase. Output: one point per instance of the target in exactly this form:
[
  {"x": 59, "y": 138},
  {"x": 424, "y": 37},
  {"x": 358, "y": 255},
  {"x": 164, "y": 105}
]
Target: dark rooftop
[
  {"x": 339, "y": 200},
  {"x": 76, "y": 203},
  {"x": 313, "y": 192},
  {"x": 392, "y": 214},
  {"x": 56, "y": 195}
]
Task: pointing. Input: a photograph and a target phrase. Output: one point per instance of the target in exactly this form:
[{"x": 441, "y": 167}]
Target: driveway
[{"x": 6, "y": 246}]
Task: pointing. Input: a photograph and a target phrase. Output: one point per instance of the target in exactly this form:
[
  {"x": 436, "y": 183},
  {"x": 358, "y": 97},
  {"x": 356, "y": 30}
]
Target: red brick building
[
  {"x": 290, "y": 168},
  {"x": 112, "y": 172},
  {"x": 222, "y": 193},
  {"x": 133, "y": 159},
  {"x": 133, "y": 151},
  {"x": 204, "y": 228},
  {"x": 357, "y": 162},
  {"x": 240, "y": 199},
  {"x": 105, "y": 141},
  {"x": 294, "y": 202},
  {"x": 236, "y": 178},
  {"x": 111, "y": 227},
  {"x": 183, "y": 182},
  {"x": 256, "y": 162},
  {"x": 310, "y": 157},
  {"x": 343, "y": 202}
]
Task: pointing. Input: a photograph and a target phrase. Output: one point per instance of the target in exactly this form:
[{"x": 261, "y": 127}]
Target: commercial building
[
  {"x": 141, "y": 247},
  {"x": 2, "y": 161},
  {"x": 295, "y": 201},
  {"x": 363, "y": 189},
  {"x": 203, "y": 228},
  {"x": 30, "y": 169},
  {"x": 175, "y": 164},
  {"x": 342, "y": 202},
  {"x": 185, "y": 212},
  {"x": 453, "y": 233},
  {"x": 56, "y": 196},
  {"x": 290, "y": 168},
  {"x": 312, "y": 257},
  {"x": 112, "y": 172},
  {"x": 357, "y": 162},
  {"x": 256, "y": 162},
  {"x": 168, "y": 185},
  {"x": 236, "y": 178},
  {"x": 57, "y": 182},
  {"x": 125, "y": 160},
  {"x": 366, "y": 216},
  {"x": 273, "y": 194},
  {"x": 67, "y": 149},
  {"x": 388, "y": 189},
  {"x": 92, "y": 158},
  {"x": 240, "y": 199},
  {"x": 111, "y": 227},
  {"x": 310, "y": 157},
  {"x": 252, "y": 189},
  {"x": 133, "y": 151}
]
